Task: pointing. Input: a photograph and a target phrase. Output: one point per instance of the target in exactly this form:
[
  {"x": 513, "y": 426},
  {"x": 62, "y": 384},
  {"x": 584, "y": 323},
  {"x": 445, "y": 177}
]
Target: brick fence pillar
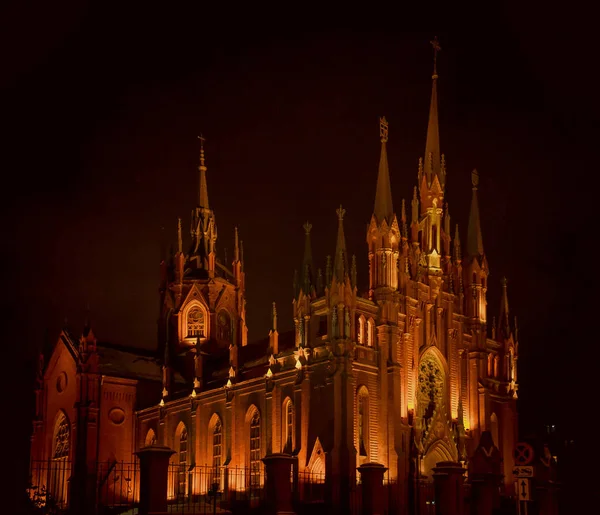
[
  {"x": 485, "y": 493},
  {"x": 448, "y": 481},
  {"x": 154, "y": 474},
  {"x": 278, "y": 483},
  {"x": 371, "y": 477}
]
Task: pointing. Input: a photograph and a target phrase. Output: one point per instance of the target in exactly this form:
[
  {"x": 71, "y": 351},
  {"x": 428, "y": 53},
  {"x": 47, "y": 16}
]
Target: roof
[{"x": 130, "y": 363}]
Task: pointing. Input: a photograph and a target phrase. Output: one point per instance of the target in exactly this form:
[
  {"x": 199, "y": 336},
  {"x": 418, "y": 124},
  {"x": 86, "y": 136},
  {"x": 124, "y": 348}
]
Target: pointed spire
[
  {"x": 403, "y": 219},
  {"x": 340, "y": 265},
  {"x": 274, "y": 317},
  {"x": 179, "y": 237},
  {"x": 447, "y": 220},
  {"x": 242, "y": 254},
  {"x": 474, "y": 240},
  {"x": 503, "y": 319},
  {"x": 384, "y": 209},
  {"x": 203, "y": 192},
  {"x": 319, "y": 282},
  {"x": 236, "y": 248},
  {"x": 307, "y": 263},
  {"x": 432, "y": 145},
  {"x": 353, "y": 272},
  {"x": 415, "y": 207},
  {"x": 328, "y": 271},
  {"x": 457, "y": 250}
]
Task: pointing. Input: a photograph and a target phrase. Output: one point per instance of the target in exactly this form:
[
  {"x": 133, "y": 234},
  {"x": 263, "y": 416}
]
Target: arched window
[
  {"x": 494, "y": 429},
  {"x": 255, "y": 449},
  {"x": 150, "y": 438},
  {"x": 431, "y": 386},
  {"x": 217, "y": 448},
  {"x": 361, "y": 330},
  {"x": 223, "y": 326},
  {"x": 288, "y": 426},
  {"x": 183, "y": 461},
  {"x": 363, "y": 421},
  {"x": 511, "y": 366},
  {"x": 370, "y": 332},
  {"x": 195, "y": 323},
  {"x": 60, "y": 468},
  {"x": 490, "y": 365},
  {"x": 62, "y": 437},
  {"x": 434, "y": 237},
  {"x": 496, "y": 367}
]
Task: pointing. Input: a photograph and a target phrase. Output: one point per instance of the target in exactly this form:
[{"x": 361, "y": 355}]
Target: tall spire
[
  {"x": 474, "y": 240},
  {"x": 340, "y": 266},
  {"x": 503, "y": 319},
  {"x": 403, "y": 219},
  {"x": 236, "y": 248},
  {"x": 179, "y": 237},
  {"x": 432, "y": 159},
  {"x": 203, "y": 192},
  {"x": 383, "y": 195},
  {"x": 307, "y": 264},
  {"x": 457, "y": 249}
]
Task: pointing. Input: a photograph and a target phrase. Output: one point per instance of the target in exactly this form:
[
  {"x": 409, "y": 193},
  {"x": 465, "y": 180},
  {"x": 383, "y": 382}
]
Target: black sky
[{"x": 101, "y": 109}]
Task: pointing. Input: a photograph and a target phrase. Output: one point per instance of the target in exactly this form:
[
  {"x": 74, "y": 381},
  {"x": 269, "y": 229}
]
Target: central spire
[
  {"x": 432, "y": 164},
  {"x": 340, "y": 266},
  {"x": 203, "y": 191},
  {"x": 384, "y": 209}
]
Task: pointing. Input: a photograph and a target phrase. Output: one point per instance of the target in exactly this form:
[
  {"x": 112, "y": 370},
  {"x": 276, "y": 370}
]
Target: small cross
[
  {"x": 383, "y": 129},
  {"x": 340, "y": 212},
  {"x": 307, "y": 227},
  {"x": 202, "y": 140}
]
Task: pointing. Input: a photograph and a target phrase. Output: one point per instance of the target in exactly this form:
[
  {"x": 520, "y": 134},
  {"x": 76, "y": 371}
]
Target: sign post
[{"x": 523, "y": 472}]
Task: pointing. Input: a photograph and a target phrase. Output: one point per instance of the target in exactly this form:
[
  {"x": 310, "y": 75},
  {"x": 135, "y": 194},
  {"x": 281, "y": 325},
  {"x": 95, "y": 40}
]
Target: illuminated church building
[{"x": 407, "y": 374}]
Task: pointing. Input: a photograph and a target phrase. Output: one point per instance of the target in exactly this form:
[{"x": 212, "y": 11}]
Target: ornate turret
[
  {"x": 383, "y": 235},
  {"x": 204, "y": 227},
  {"x": 340, "y": 264}
]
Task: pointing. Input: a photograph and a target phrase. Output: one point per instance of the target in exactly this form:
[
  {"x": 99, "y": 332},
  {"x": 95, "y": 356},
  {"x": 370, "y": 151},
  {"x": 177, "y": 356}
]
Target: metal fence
[{"x": 203, "y": 489}]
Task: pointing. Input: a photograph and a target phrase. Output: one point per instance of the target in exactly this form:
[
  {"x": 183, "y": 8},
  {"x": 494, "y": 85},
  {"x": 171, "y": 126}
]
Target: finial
[
  {"x": 474, "y": 178},
  {"x": 202, "y": 140},
  {"x": 340, "y": 212},
  {"x": 383, "y": 129},
  {"x": 436, "y": 48},
  {"x": 274, "y": 321},
  {"x": 504, "y": 282},
  {"x": 403, "y": 212},
  {"x": 307, "y": 228},
  {"x": 236, "y": 242}
]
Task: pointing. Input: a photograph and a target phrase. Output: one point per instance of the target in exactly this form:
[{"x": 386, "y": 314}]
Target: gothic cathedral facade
[{"x": 407, "y": 374}]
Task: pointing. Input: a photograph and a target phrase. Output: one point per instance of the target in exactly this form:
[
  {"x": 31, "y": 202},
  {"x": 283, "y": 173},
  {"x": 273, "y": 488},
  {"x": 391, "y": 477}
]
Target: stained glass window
[
  {"x": 255, "y": 450},
  {"x": 195, "y": 323}
]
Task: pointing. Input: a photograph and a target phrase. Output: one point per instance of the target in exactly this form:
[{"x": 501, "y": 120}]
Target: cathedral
[{"x": 406, "y": 374}]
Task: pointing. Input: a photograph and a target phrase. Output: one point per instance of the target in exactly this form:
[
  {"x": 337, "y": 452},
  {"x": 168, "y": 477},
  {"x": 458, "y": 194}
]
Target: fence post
[
  {"x": 448, "y": 481},
  {"x": 154, "y": 475},
  {"x": 278, "y": 483},
  {"x": 371, "y": 477}
]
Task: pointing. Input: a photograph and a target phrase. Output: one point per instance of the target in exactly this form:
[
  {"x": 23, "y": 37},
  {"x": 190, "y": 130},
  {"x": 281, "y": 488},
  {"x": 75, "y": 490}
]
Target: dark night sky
[{"x": 102, "y": 107}]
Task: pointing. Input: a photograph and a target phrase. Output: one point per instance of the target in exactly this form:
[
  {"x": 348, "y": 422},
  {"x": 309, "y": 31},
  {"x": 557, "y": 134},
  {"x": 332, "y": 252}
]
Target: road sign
[
  {"x": 523, "y": 471},
  {"x": 523, "y": 491},
  {"x": 523, "y": 454}
]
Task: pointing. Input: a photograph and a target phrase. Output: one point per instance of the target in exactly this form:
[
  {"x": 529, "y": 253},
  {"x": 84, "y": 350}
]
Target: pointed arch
[
  {"x": 150, "y": 438},
  {"x": 182, "y": 459},
  {"x": 288, "y": 423},
  {"x": 370, "y": 332},
  {"x": 363, "y": 412},
  {"x": 60, "y": 468},
  {"x": 194, "y": 321},
  {"x": 362, "y": 330},
  {"x": 432, "y": 386},
  {"x": 224, "y": 326},
  {"x": 494, "y": 429},
  {"x": 254, "y": 439},
  {"x": 439, "y": 451},
  {"x": 61, "y": 440},
  {"x": 215, "y": 447}
]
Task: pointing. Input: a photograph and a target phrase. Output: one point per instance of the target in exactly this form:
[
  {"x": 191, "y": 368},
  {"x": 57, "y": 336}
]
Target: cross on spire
[
  {"x": 383, "y": 129},
  {"x": 436, "y": 48},
  {"x": 202, "y": 140}
]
